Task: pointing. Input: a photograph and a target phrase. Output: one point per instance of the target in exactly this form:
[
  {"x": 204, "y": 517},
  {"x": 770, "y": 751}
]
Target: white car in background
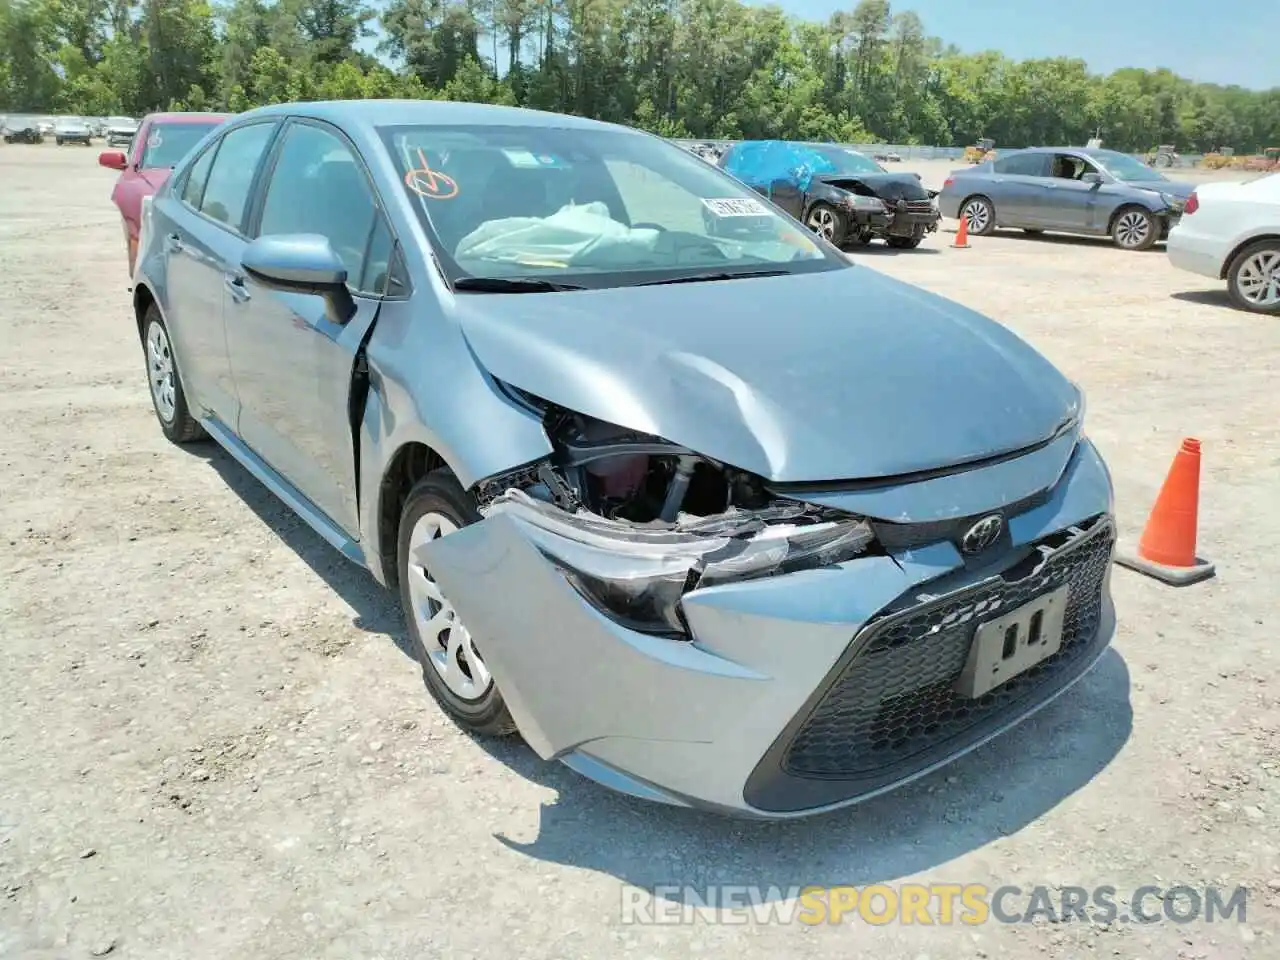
[{"x": 1231, "y": 231}]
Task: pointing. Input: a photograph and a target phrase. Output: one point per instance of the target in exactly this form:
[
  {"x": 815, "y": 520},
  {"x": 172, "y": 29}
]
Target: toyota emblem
[{"x": 982, "y": 534}]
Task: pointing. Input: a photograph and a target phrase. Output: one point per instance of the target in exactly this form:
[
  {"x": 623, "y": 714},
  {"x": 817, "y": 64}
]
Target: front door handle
[
  {"x": 173, "y": 243},
  {"x": 234, "y": 283}
]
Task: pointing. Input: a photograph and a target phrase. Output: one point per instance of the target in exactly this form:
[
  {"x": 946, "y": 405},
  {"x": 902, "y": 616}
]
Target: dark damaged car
[
  {"x": 840, "y": 194},
  {"x": 725, "y": 522}
]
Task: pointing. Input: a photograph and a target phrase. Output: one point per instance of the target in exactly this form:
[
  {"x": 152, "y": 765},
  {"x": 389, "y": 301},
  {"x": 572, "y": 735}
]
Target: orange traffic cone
[
  {"x": 1167, "y": 550},
  {"x": 962, "y": 234}
]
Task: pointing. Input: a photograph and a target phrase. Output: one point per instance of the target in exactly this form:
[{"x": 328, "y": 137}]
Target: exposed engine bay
[{"x": 635, "y": 521}]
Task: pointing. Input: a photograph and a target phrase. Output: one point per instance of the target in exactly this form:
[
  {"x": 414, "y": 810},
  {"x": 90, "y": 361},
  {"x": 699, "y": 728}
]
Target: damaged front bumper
[
  {"x": 789, "y": 693},
  {"x": 890, "y": 218}
]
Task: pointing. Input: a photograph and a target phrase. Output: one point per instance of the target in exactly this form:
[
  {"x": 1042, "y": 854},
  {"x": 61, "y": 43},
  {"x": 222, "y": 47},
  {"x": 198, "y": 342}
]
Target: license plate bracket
[{"x": 1013, "y": 643}]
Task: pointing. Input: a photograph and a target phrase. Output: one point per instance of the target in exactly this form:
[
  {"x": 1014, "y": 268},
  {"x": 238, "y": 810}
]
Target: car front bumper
[
  {"x": 796, "y": 693},
  {"x": 896, "y": 223}
]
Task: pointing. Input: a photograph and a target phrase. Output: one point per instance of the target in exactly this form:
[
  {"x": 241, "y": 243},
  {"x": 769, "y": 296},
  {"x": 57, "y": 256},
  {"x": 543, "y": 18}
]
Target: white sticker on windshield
[
  {"x": 521, "y": 158},
  {"x": 734, "y": 207}
]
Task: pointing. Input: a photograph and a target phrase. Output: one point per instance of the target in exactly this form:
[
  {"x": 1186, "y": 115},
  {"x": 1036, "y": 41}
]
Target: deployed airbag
[{"x": 572, "y": 233}]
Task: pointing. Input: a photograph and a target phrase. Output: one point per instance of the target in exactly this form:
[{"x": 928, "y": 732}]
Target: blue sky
[{"x": 1224, "y": 41}]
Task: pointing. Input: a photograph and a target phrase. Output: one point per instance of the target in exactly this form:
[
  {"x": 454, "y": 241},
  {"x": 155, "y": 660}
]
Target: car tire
[
  {"x": 903, "y": 243},
  {"x": 1257, "y": 261},
  {"x": 1134, "y": 228},
  {"x": 827, "y": 222},
  {"x": 981, "y": 214},
  {"x": 437, "y": 505},
  {"x": 167, "y": 395},
  {"x": 58, "y": 141}
]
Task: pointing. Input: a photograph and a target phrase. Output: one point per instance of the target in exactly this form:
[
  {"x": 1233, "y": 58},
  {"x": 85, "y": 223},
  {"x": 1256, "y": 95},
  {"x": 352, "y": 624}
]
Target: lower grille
[{"x": 893, "y": 708}]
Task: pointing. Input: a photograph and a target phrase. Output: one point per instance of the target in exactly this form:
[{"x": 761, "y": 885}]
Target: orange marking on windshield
[{"x": 429, "y": 183}]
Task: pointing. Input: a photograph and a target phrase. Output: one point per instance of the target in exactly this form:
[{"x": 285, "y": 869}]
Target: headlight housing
[
  {"x": 637, "y": 574},
  {"x": 866, "y": 204}
]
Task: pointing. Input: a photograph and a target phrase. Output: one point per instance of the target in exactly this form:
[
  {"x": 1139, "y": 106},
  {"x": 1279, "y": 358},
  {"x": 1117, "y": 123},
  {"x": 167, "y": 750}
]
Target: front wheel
[
  {"x": 904, "y": 243},
  {"x": 167, "y": 395},
  {"x": 1135, "y": 229},
  {"x": 827, "y": 222},
  {"x": 980, "y": 215},
  {"x": 452, "y": 664},
  {"x": 1253, "y": 278}
]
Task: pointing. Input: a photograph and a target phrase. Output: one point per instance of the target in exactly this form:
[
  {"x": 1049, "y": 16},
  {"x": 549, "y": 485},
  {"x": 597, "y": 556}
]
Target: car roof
[
  {"x": 379, "y": 113},
  {"x": 185, "y": 116}
]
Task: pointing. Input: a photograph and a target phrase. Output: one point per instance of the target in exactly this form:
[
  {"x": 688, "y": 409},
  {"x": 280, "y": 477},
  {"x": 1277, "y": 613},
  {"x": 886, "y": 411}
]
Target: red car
[{"x": 161, "y": 141}]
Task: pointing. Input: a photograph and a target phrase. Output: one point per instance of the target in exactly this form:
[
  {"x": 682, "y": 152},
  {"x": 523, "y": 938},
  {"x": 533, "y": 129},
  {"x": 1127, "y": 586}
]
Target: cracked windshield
[{"x": 600, "y": 208}]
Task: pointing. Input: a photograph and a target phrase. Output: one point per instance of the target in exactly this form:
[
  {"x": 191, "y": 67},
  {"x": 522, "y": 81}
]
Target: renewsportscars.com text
[{"x": 931, "y": 904}]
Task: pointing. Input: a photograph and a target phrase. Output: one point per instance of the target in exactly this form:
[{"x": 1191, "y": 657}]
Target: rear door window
[
  {"x": 1022, "y": 165},
  {"x": 193, "y": 188},
  {"x": 226, "y": 192}
]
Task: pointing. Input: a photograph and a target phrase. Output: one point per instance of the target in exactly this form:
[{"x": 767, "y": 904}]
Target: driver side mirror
[
  {"x": 302, "y": 263},
  {"x": 1093, "y": 178},
  {"x": 113, "y": 159}
]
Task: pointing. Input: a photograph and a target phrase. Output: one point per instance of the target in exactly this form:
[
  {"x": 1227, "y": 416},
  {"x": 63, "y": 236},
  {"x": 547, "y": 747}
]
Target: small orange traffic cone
[
  {"x": 962, "y": 234},
  {"x": 1167, "y": 550}
]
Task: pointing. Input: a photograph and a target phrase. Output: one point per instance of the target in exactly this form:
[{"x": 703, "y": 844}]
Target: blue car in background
[{"x": 840, "y": 194}]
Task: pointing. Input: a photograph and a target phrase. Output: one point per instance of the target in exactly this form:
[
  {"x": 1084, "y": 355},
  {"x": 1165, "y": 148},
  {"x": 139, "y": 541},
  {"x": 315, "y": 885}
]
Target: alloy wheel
[
  {"x": 1258, "y": 279},
  {"x": 160, "y": 368},
  {"x": 1132, "y": 229},
  {"x": 978, "y": 216},
  {"x": 823, "y": 222},
  {"x": 448, "y": 643}
]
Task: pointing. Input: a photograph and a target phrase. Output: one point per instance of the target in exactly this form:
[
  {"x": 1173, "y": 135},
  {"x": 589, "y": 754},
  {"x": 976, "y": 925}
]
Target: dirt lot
[{"x": 211, "y": 744}]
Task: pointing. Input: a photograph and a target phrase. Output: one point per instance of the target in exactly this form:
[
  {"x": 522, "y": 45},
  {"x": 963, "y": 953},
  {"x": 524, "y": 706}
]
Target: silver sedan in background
[{"x": 1092, "y": 192}]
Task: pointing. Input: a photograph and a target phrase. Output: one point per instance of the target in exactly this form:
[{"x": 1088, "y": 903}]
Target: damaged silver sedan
[{"x": 665, "y": 484}]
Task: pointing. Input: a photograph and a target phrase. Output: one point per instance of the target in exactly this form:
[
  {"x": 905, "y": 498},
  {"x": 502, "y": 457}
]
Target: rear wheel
[
  {"x": 980, "y": 215},
  {"x": 827, "y": 222},
  {"x": 167, "y": 396},
  {"x": 1253, "y": 279},
  {"x": 452, "y": 665},
  {"x": 1135, "y": 229}
]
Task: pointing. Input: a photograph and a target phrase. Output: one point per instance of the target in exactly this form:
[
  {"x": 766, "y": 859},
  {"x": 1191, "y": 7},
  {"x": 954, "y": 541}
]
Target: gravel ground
[{"x": 212, "y": 745}]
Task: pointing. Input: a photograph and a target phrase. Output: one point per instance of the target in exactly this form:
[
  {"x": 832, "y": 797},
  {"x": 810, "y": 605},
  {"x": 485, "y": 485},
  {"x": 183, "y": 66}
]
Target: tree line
[{"x": 683, "y": 68}]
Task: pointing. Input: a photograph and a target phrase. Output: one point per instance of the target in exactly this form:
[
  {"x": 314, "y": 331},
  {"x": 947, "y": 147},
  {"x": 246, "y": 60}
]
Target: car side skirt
[{"x": 312, "y": 515}]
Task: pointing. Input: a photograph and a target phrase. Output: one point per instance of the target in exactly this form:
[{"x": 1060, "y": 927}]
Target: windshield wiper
[
  {"x": 512, "y": 285},
  {"x": 714, "y": 275}
]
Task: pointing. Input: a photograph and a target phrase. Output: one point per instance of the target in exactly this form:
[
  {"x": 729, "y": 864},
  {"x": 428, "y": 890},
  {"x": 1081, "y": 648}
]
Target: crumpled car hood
[
  {"x": 889, "y": 186},
  {"x": 846, "y": 374}
]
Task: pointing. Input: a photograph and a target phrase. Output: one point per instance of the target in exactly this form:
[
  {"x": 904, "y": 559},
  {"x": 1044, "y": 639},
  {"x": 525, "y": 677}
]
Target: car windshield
[
  {"x": 847, "y": 161},
  {"x": 592, "y": 207},
  {"x": 167, "y": 143},
  {"x": 69, "y": 122},
  {"x": 1126, "y": 168}
]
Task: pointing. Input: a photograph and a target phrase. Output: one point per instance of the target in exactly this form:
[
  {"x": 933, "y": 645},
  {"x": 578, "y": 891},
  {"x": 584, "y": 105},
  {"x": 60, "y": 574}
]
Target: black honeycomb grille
[{"x": 894, "y": 701}]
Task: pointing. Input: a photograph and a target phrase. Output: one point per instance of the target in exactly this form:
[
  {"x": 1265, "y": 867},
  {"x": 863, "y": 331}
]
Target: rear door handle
[{"x": 234, "y": 283}]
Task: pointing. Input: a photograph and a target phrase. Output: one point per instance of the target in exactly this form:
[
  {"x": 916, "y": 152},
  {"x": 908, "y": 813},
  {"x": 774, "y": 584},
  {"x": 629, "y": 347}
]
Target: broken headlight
[{"x": 637, "y": 573}]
